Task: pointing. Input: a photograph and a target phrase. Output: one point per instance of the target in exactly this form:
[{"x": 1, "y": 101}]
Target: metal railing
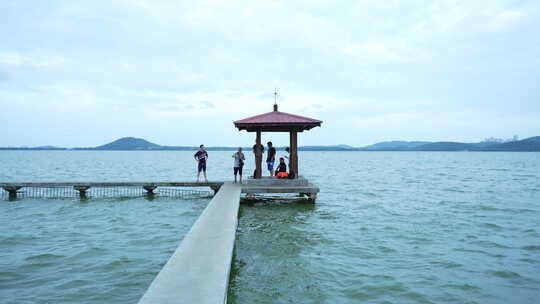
[{"x": 106, "y": 189}]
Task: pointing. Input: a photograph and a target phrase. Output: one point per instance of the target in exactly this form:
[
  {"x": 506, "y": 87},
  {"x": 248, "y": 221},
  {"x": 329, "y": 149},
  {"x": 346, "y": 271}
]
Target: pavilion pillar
[
  {"x": 258, "y": 156},
  {"x": 293, "y": 150}
]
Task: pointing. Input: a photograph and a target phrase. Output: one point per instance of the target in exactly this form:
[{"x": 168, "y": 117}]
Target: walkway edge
[{"x": 198, "y": 271}]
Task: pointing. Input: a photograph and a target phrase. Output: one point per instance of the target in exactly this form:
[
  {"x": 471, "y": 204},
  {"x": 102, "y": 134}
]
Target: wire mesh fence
[{"x": 104, "y": 192}]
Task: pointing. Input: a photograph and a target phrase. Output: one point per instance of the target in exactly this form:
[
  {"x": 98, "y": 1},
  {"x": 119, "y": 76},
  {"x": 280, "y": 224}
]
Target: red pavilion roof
[{"x": 277, "y": 121}]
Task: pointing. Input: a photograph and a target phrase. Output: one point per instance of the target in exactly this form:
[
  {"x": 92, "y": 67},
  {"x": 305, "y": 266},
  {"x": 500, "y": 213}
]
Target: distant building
[{"x": 500, "y": 140}]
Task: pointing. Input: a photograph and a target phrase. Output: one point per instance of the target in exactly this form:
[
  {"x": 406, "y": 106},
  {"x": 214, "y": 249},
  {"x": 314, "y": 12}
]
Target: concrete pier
[{"x": 198, "y": 271}]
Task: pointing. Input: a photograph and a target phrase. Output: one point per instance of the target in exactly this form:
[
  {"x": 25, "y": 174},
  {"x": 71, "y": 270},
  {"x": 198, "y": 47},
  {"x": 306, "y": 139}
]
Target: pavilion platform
[
  {"x": 251, "y": 186},
  {"x": 267, "y": 185}
]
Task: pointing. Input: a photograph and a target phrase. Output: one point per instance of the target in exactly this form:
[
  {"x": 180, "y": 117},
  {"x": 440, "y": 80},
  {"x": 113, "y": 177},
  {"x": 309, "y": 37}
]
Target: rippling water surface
[{"x": 388, "y": 227}]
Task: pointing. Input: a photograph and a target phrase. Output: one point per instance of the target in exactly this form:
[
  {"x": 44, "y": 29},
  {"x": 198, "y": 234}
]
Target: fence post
[
  {"x": 149, "y": 189},
  {"x": 82, "y": 190},
  {"x": 12, "y": 190}
]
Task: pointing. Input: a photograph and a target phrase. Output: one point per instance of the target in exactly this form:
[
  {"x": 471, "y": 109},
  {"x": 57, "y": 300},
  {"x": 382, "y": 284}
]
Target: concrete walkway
[{"x": 198, "y": 271}]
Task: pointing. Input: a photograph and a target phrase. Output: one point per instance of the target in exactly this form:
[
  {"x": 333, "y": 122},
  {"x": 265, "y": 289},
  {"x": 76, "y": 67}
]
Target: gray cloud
[
  {"x": 385, "y": 69},
  {"x": 205, "y": 104}
]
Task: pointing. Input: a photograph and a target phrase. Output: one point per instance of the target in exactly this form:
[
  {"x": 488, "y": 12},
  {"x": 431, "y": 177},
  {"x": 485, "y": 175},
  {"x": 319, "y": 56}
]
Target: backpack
[{"x": 240, "y": 160}]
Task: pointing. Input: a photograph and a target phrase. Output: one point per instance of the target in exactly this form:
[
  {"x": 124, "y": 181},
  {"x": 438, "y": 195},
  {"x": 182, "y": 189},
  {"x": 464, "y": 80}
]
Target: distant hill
[
  {"x": 396, "y": 145},
  {"x": 443, "y": 146},
  {"x": 129, "y": 143},
  {"x": 328, "y": 148},
  {"x": 41, "y": 148},
  {"x": 531, "y": 144},
  {"x": 528, "y": 144}
]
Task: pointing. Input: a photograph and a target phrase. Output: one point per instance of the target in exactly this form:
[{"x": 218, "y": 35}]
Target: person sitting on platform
[{"x": 282, "y": 169}]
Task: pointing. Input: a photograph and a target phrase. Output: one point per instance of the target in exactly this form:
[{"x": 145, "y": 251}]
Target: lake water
[{"x": 388, "y": 227}]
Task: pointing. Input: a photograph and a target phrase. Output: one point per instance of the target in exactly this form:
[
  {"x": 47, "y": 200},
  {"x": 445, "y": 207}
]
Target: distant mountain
[
  {"x": 528, "y": 144},
  {"x": 531, "y": 144},
  {"x": 41, "y": 148},
  {"x": 138, "y": 144},
  {"x": 328, "y": 148},
  {"x": 129, "y": 143},
  {"x": 443, "y": 146},
  {"x": 396, "y": 145}
]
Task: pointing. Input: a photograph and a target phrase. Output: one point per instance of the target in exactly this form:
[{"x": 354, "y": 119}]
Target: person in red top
[{"x": 200, "y": 157}]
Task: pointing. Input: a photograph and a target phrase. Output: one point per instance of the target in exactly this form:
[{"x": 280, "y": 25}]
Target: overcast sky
[{"x": 83, "y": 73}]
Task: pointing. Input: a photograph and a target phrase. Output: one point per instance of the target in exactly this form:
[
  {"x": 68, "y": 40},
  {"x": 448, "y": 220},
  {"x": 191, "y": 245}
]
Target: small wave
[
  {"x": 44, "y": 256},
  {"x": 499, "y": 169},
  {"x": 327, "y": 216},
  {"x": 464, "y": 287},
  {"x": 384, "y": 289},
  {"x": 417, "y": 297},
  {"x": 17, "y": 239},
  {"x": 371, "y": 194},
  {"x": 519, "y": 176},
  {"x": 456, "y": 190},
  {"x": 74, "y": 284},
  {"x": 386, "y": 249},
  {"x": 10, "y": 276},
  {"x": 447, "y": 265},
  {"x": 490, "y": 244},
  {"x": 506, "y": 274},
  {"x": 531, "y": 247},
  {"x": 472, "y": 251},
  {"x": 492, "y": 226},
  {"x": 89, "y": 253},
  {"x": 530, "y": 261},
  {"x": 488, "y": 208},
  {"x": 129, "y": 284}
]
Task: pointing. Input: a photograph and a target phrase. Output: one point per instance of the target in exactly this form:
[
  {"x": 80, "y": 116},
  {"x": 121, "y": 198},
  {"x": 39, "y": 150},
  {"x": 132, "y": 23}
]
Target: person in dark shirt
[
  {"x": 282, "y": 169},
  {"x": 271, "y": 158},
  {"x": 200, "y": 157}
]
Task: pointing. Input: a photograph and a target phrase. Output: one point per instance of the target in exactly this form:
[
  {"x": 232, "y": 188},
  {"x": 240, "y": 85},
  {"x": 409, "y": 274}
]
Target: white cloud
[
  {"x": 172, "y": 62},
  {"x": 374, "y": 51},
  {"x": 498, "y": 20},
  {"x": 34, "y": 60}
]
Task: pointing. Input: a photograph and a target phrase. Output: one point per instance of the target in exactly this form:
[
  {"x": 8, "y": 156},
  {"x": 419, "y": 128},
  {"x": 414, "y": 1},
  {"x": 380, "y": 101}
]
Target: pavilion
[{"x": 276, "y": 121}]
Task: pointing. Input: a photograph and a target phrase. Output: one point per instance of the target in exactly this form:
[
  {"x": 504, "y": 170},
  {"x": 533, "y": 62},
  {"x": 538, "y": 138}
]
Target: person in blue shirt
[{"x": 271, "y": 158}]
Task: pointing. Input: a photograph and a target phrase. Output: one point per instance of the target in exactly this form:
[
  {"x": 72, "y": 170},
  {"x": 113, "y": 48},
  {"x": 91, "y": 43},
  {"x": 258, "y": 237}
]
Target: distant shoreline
[
  {"x": 229, "y": 149},
  {"x": 531, "y": 144}
]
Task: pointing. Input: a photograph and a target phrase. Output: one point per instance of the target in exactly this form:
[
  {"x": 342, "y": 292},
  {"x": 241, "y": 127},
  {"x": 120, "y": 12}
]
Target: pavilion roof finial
[{"x": 275, "y": 100}]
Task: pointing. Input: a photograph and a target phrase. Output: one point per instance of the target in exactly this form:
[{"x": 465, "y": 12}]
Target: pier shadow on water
[{"x": 269, "y": 259}]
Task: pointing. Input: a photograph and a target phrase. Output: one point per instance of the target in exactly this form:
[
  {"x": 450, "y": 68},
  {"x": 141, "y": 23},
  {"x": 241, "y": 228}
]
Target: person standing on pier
[
  {"x": 239, "y": 159},
  {"x": 271, "y": 158},
  {"x": 255, "y": 153},
  {"x": 200, "y": 157}
]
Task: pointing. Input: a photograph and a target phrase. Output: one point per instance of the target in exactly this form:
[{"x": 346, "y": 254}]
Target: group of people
[{"x": 201, "y": 156}]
